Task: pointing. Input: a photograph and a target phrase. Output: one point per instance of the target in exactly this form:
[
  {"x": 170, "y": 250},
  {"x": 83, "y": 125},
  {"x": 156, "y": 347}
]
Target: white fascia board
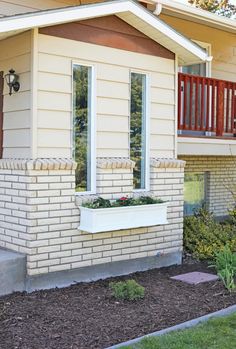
[
  {"x": 199, "y": 15},
  {"x": 54, "y": 17},
  {"x": 64, "y": 15}
]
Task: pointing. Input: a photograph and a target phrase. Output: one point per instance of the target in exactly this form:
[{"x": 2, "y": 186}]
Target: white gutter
[{"x": 197, "y": 14}]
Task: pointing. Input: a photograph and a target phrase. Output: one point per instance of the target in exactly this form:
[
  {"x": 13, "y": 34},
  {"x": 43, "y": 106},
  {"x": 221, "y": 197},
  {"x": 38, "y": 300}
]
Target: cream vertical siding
[
  {"x": 15, "y": 53},
  {"x": 112, "y": 70},
  {"x": 223, "y": 45}
]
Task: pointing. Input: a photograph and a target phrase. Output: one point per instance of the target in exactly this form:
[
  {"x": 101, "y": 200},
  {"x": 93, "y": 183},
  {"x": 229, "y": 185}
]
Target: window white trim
[
  {"x": 147, "y": 127},
  {"x": 207, "y": 47},
  {"x": 93, "y": 124}
]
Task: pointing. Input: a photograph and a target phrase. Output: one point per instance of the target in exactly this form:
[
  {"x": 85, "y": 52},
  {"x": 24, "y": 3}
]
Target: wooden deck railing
[{"x": 206, "y": 105}]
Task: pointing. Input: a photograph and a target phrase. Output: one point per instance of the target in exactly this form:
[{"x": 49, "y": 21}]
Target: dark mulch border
[{"x": 86, "y": 316}]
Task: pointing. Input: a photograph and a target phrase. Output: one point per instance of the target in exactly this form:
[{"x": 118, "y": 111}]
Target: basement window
[{"x": 195, "y": 192}]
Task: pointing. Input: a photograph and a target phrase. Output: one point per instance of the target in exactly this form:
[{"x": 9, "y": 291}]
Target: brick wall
[
  {"x": 221, "y": 178},
  {"x": 40, "y": 214}
]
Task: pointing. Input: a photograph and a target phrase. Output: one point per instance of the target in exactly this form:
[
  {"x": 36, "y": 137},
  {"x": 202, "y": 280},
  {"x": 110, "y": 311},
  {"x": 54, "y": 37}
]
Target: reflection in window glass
[
  {"x": 194, "y": 192},
  {"x": 82, "y": 126},
  {"x": 138, "y": 128}
]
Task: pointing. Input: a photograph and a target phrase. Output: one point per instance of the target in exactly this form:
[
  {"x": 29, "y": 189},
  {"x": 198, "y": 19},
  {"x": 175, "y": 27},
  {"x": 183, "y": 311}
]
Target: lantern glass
[{"x": 12, "y": 81}]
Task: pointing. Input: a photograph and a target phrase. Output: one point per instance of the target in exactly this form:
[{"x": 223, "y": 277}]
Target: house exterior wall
[
  {"x": 205, "y": 154},
  {"x": 15, "y": 52},
  {"x": 221, "y": 180},
  {"x": 223, "y": 45},
  {"x": 39, "y": 211},
  {"x": 112, "y": 70}
]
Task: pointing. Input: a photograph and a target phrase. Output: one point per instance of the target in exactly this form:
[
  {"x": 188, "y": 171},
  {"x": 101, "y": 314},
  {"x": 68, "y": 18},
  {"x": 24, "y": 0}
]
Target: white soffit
[
  {"x": 131, "y": 12},
  {"x": 193, "y": 14}
]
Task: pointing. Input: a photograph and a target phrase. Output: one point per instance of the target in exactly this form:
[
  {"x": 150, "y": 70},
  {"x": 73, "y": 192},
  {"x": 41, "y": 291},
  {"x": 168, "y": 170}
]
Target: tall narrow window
[
  {"x": 82, "y": 127},
  {"x": 138, "y": 129}
]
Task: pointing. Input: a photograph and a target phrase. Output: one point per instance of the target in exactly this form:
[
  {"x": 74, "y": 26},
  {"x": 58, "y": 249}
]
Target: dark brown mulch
[{"x": 85, "y": 316}]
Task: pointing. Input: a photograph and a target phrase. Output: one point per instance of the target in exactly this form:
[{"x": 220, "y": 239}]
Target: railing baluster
[
  {"x": 226, "y": 128},
  {"x": 179, "y": 102},
  {"x": 196, "y": 102},
  {"x": 191, "y": 104},
  {"x": 213, "y": 106},
  {"x": 207, "y": 105},
  {"x": 220, "y": 108},
  {"x": 202, "y": 111},
  {"x": 231, "y": 104},
  {"x": 233, "y": 109},
  {"x": 185, "y": 104}
]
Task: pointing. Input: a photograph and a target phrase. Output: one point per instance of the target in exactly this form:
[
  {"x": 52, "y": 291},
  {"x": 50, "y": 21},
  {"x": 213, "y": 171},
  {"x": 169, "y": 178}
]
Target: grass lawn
[{"x": 215, "y": 334}]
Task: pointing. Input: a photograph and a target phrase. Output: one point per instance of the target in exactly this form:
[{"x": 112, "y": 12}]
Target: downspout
[
  {"x": 158, "y": 9},
  {"x": 158, "y": 6}
]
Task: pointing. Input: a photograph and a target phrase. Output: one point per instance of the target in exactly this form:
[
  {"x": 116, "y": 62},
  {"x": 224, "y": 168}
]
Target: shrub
[
  {"x": 204, "y": 236},
  {"x": 225, "y": 264},
  {"x": 232, "y": 216},
  {"x": 127, "y": 290}
]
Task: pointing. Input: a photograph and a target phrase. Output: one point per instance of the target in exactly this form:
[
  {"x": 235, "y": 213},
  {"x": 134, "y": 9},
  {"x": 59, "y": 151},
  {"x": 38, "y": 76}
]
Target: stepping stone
[{"x": 195, "y": 277}]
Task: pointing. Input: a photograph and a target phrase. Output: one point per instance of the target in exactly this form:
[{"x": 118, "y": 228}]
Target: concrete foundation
[
  {"x": 12, "y": 272},
  {"x": 102, "y": 271}
]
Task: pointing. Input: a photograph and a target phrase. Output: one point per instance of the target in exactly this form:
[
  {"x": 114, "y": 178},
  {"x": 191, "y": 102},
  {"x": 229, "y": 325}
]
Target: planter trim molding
[
  {"x": 69, "y": 164},
  {"x": 37, "y": 164},
  {"x": 112, "y": 163}
]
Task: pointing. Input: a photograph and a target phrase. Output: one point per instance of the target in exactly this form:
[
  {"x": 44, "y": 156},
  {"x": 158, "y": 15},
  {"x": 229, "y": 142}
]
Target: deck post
[{"x": 220, "y": 109}]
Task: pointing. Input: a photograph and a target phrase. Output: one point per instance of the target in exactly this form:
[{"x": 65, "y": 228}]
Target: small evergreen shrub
[
  {"x": 204, "y": 236},
  {"x": 127, "y": 290},
  {"x": 225, "y": 265}
]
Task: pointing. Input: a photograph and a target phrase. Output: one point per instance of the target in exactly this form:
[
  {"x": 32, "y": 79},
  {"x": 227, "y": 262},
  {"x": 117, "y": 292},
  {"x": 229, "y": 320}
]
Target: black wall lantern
[{"x": 12, "y": 81}]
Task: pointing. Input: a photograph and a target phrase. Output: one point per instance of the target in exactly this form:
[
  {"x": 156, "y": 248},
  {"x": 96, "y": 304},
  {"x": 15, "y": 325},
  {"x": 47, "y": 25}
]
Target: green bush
[
  {"x": 225, "y": 264},
  {"x": 204, "y": 236},
  {"x": 127, "y": 290}
]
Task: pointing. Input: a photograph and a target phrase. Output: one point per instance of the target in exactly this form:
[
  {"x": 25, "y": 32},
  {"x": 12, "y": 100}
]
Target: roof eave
[
  {"x": 184, "y": 48},
  {"x": 197, "y": 15}
]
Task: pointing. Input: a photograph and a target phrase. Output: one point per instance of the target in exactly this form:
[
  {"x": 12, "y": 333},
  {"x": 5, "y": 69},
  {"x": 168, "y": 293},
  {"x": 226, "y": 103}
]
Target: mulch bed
[{"x": 86, "y": 316}]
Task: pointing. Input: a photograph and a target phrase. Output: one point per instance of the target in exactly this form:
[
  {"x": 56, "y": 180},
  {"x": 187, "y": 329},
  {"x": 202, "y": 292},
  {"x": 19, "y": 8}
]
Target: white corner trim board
[{"x": 118, "y": 218}]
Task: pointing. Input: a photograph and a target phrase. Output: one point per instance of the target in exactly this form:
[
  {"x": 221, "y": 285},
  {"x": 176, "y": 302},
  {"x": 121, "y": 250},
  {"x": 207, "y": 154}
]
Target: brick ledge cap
[
  {"x": 37, "y": 164},
  {"x": 167, "y": 163},
  {"x": 112, "y": 163}
]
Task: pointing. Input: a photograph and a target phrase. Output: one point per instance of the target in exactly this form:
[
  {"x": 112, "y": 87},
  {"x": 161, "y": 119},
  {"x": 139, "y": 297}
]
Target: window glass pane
[
  {"x": 138, "y": 128},
  {"x": 194, "y": 192},
  {"x": 195, "y": 69},
  {"x": 82, "y": 126}
]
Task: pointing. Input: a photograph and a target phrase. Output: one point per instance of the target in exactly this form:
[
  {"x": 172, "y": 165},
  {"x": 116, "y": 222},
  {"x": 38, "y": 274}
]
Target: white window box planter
[{"x": 117, "y": 218}]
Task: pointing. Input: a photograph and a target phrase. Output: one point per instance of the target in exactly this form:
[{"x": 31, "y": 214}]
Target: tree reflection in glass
[
  {"x": 82, "y": 126},
  {"x": 138, "y": 128}
]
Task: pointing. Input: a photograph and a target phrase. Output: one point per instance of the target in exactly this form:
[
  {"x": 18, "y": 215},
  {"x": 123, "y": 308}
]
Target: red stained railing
[{"x": 206, "y": 105}]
